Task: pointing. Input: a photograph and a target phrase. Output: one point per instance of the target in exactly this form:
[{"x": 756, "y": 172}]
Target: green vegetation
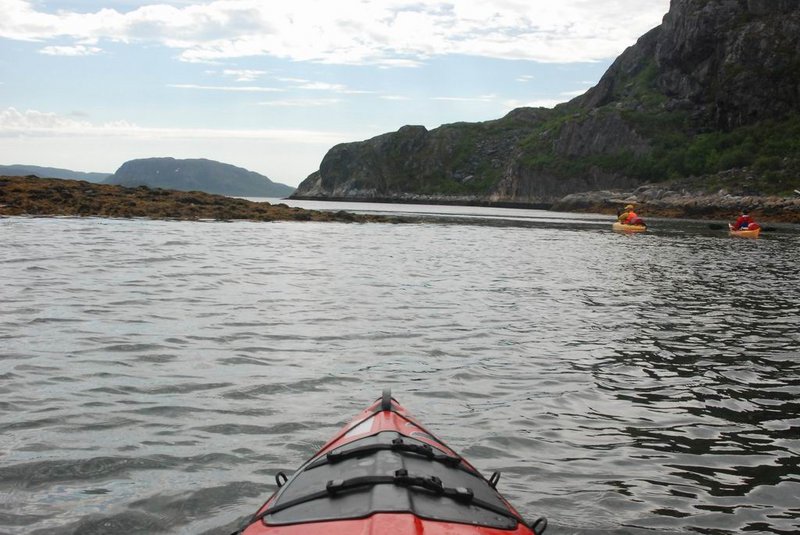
[{"x": 770, "y": 150}]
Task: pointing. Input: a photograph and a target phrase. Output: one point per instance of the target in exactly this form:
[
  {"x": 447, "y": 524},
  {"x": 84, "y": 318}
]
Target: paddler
[
  {"x": 745, "y": 222},
  {"x": 629, "y": 217}
]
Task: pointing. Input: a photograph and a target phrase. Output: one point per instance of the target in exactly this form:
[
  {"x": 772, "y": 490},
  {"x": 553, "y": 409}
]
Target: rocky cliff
[
  {"x": 715, "y": 87},
  {"x": 730, "y": 62},
  {"x": 197, "y": 175}
]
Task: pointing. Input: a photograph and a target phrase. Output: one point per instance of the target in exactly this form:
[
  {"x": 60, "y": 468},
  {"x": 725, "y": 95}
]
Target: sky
[{"x": 272, "y": 85}]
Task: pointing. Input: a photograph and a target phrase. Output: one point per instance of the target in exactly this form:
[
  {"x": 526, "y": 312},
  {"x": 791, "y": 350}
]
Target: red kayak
[{"x": 385, "y": 474}]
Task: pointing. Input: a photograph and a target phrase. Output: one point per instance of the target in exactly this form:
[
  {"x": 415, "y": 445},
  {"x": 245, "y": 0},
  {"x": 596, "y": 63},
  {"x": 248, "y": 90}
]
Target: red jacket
[
  {"x": 743, "y": 221},
  {"x": 630, "y": 219}
]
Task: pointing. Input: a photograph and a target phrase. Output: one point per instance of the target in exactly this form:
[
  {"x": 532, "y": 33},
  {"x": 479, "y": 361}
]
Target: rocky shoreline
[
  {"x": 57, "y": 197},
  {"x": 34, "y": 196},
  {"x": 409, "y": 198},
  {"x": 657, "y": 201}
]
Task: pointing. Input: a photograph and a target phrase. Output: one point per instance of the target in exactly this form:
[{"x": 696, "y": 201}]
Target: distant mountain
[
  {"x": 197, "y": 175},
  {"x": 51, "y": 172}
]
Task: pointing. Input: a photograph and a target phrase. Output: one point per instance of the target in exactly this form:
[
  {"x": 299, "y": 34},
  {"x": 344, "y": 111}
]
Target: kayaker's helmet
[{"x": 629, "y": 207}]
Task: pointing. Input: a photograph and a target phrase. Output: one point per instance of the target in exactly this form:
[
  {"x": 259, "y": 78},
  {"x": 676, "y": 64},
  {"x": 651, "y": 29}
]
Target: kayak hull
[
  {"x": 620, "y": 227},
  {"x": 385, "y": 474},
  {"x": 746, "y": 233},
  {"x": 382, "y": 524}
]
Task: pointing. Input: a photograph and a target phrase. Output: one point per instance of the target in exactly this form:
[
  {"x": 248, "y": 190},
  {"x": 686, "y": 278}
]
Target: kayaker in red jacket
[
  {"x": 745, "y": 222},
  {"x": 629, "y": 217}
]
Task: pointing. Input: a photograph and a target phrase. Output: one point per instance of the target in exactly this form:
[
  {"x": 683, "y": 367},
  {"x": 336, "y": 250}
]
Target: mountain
[
  {"x": 197, "y": 175},
  {"x": 710, "y": 98},
  {"x": 51, "y": 172}
]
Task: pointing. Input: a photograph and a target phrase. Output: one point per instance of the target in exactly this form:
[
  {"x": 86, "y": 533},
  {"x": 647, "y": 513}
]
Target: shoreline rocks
[
  {"x": 662, "y": 202},
  {"x": 36, "y": 196},
  {"x": 58, "y": 197}
]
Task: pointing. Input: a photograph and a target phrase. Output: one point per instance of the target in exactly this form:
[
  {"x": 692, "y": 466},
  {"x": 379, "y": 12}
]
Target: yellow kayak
[
  {"x": 744, "y": 233},
  {"x": 628, "y": 228}
]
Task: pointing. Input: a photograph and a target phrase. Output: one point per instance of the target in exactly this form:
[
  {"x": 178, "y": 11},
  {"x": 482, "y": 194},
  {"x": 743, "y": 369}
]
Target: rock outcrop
[
  {"x": 34, "y": 196},
  {"x": 715, "y": 87},
  {"x": 732, "y": 62},
  {"x": 453, "y": 162}
]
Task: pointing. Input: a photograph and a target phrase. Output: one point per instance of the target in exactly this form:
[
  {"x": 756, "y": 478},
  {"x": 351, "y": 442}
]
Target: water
[{"x": 155, "y": 376}]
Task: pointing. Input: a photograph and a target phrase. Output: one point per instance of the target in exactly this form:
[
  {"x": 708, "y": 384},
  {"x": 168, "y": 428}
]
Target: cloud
[
  {"x": 235, "y": 88},
  {"x": 76, "y": 50},
  {"x": 388, "y": 33},
  {"x": 481, "y": 98},
  {"x": 321, "y": 86},
  {"x": 301, "y": 102},
  {"x": 34, "y": 123},
  {"x": 243, "y": 75}
]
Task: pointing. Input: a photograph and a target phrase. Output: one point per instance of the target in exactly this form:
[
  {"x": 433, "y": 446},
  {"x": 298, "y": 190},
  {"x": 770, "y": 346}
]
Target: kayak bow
[{"x": 385, "y": 474}]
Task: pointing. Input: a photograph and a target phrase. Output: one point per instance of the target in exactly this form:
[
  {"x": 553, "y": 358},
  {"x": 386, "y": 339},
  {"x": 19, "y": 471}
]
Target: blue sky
[{"x": 272, "y": 85}]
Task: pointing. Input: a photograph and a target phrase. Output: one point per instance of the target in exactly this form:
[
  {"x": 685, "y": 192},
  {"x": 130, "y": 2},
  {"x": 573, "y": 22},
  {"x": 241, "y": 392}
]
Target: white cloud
[
  {"x": 321, "y": 86},
  {"x": 14, "y": 122},
  {"x": 481, "y": 98},
  {"x": 526, "y": 78},
  {"x": 380, "y": 32},
  {"x": 43, "y": 138},
  {"x": 243, "y": 75},
  {"x": 235, "y": 88},
  {"x": 399, "y": 63},
  {"x": 33, "y": 123},
  {"x": 77, "y": 50},
  {"x": 308, "y": 85},
  {"x": 301, "y": 102}
]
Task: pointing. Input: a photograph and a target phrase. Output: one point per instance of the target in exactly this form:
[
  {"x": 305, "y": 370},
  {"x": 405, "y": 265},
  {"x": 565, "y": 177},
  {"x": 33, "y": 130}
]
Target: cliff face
[
  {"x": 732, "y": 62},
  {"x": 704, "y": 92},
  {"x": 197, "y": 175},
  {"x": 456, "y": 161}
]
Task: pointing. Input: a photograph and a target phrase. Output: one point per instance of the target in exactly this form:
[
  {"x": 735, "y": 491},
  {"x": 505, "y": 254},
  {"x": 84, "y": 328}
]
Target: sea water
[{"x": 156, "y": 375}]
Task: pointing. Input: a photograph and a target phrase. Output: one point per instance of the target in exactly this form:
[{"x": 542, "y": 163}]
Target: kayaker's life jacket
[
  {"x": 631, "y": 217},
  {"x": 743, "y": 222}
]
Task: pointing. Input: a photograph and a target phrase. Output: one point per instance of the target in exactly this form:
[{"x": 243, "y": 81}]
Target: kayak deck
[{"x": 385, "y": 474}]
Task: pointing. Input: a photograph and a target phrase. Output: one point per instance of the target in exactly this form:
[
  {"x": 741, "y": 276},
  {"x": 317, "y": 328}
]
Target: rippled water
[{"x": 154, "y": 376}]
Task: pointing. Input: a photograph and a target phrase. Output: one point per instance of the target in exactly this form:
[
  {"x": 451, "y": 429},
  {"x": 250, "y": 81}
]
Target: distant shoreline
[
  {"x": 651, "y": 202},
  {"x": 427, "y": 201},
  {"x": 36, "y": 196}
]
